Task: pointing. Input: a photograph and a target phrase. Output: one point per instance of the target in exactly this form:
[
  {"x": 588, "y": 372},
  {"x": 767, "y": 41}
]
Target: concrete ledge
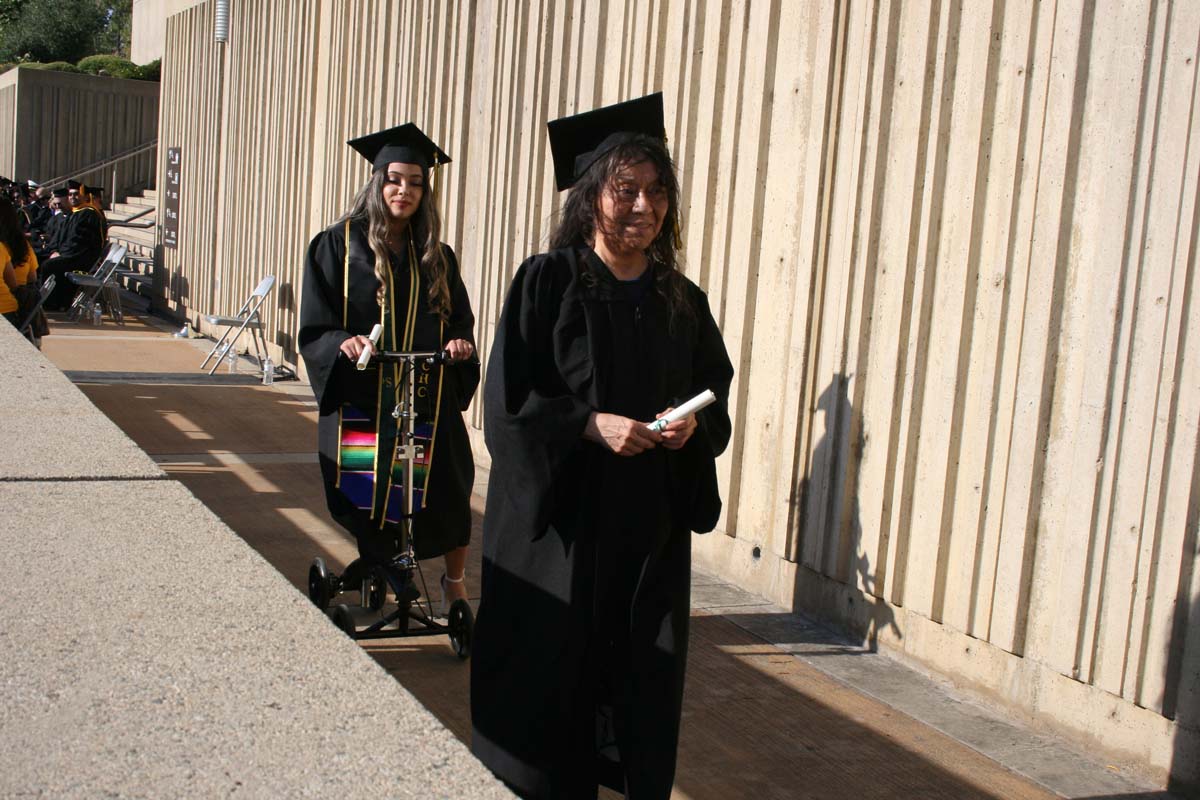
[
  {"x": 55, "y": 431},
  {"x": 148, "y": 651}
]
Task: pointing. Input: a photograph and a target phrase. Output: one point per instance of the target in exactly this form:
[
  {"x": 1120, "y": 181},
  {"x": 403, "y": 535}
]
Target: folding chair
[
  {"x": 27, "y": 324},
  {"x": 100, "y": 285},
  {"x": 247, "y": 317}
]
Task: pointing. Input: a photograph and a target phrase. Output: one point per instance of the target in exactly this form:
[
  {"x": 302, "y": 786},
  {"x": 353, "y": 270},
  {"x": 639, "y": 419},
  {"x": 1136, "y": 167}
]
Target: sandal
[{"x": 443, "y": 606}]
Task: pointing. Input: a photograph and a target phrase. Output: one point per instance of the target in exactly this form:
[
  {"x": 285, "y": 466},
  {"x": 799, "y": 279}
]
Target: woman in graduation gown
[
  {"x": 383, "y": 262},
  {"x": 580, "y": 642}
]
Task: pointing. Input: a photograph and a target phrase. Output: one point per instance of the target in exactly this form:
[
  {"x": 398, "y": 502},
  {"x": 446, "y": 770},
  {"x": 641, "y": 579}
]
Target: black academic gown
[
  {"x": 581, "y": 634},
  {"x": 80, "y": 246},
  {"x": 355, "y": 403},
  {"x": 52, "y": 235},
  {"x": 39, "y": 215}
]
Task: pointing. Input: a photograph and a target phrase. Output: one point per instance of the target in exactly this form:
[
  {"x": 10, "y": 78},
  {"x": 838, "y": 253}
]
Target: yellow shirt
[{"x": 8, "y": 303}]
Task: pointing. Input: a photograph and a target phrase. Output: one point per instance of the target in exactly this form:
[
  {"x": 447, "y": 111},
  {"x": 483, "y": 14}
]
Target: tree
[
  {"x": 52, "y": 30},
  {"x": 9, "y": 11},
  {"x": 118, "y": 28}
]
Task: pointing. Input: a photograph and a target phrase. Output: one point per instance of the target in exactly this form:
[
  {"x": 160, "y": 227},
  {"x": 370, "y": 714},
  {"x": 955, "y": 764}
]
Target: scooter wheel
[
  {"x": 343, "y": 618},
  {"x": 460, "y": 622},
  {"x": 319, "y": 584}
]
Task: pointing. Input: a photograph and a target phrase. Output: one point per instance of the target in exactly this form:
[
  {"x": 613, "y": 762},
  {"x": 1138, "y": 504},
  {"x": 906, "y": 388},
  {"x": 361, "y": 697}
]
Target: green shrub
[
  {"x": 57, "y": 66},
  {"x": 151, "y": 71},
  {"x": 112, "y": 66}
]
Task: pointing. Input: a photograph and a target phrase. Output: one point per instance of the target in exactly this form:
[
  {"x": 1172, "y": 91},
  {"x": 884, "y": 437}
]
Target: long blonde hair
[{"x": 425, "y": 227}]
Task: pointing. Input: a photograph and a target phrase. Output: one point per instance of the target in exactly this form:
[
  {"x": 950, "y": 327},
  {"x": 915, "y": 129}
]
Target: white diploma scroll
[
  {"x": 368, "y": 351},
  {"x": 690, "y": 407}
]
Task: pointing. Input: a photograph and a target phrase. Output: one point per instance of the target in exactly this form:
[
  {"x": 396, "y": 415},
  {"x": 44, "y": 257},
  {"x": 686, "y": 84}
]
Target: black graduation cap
[
  {"x": 60, "y": 192},
  {"x": 404, "y": 143},
  {"x": 581, "y": 140},
  {"x": 73, "y": 184}
]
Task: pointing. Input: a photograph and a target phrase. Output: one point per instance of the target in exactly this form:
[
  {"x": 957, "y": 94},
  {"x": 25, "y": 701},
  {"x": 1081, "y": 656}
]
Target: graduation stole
[{"x": 369, "y": 474}]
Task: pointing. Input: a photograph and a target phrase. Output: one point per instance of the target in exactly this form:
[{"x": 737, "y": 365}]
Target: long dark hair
[
  {"x": 576, "y": 224},
  {"x": 12, "y": 235},
  {"x": 425, "y": 227}
]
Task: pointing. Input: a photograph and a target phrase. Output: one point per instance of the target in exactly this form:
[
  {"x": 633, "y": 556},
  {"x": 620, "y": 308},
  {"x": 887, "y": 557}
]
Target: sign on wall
[{"x": 170, "y": 233}]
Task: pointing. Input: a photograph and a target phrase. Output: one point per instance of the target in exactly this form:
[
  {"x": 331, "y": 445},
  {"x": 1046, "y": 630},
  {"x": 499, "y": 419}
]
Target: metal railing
[
  {"x": 112, "y": 161},
  {"x": 128, "y": 222}
]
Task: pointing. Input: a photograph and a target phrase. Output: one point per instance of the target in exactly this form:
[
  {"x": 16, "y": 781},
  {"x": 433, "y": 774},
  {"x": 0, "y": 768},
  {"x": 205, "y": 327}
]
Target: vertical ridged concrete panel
[{"x": 951, "y": 247}]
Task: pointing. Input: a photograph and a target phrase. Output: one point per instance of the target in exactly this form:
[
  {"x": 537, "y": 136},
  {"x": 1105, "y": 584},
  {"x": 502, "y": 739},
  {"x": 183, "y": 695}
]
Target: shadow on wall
[
  {"x": 827, "y": 509},
  {"x": 1181, "y": 697}
]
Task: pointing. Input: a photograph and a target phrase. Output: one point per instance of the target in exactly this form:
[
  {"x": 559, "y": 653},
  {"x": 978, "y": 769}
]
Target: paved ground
[{"x": 775, "y": 707}]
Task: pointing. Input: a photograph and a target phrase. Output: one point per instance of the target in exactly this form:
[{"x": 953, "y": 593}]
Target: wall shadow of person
[
  {"x": 826, "y": 514},
  {"x": 1181, "y": 692}
]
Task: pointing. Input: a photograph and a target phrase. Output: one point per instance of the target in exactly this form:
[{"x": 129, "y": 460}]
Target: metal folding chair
[
  {"x": 247, "y": 317},
  {"x": 99, "y": 286},
  {"x": 43, "y": 293}
]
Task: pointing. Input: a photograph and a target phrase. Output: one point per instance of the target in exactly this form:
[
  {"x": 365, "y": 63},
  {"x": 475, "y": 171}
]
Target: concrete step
[
  {"x": 140, "y": 202},
  {"x": 143, "y": 237},
  {"x": 138, "y": 264},
  {"x": 115, "y": 218},
  {"x": 151, "y": 195},
  {"x": 137, "y": 283},
  {"x": 129, "y": 209}
]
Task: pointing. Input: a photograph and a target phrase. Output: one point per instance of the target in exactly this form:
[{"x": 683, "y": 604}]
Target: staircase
[{"x": 137, "y": 273}]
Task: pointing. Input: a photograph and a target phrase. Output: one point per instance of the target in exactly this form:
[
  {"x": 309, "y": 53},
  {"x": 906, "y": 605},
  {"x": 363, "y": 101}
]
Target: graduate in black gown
[
  {"x": 580, "y": 641},
  {"x": 52, "y": 234},
  {"x": 383, "y": 262},
  {"x": 80, "y": 245}
]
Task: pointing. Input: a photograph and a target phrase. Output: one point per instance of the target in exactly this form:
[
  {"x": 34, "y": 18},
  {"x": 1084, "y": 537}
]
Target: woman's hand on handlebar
[
  {"x": 353, "y": 347},
  {"x": 459, "y": 350},
  {"x": 622, "y": 435}
]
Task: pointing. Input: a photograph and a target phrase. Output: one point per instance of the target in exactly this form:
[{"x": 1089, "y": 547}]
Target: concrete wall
[
  {"x": 56, "y": 123},
  {"x": 150, "y": 27},
  {"x": 950, "y": 247}
]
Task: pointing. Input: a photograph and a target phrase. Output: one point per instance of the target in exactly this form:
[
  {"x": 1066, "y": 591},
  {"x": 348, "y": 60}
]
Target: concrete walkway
[{"x": 775, "y": 707}]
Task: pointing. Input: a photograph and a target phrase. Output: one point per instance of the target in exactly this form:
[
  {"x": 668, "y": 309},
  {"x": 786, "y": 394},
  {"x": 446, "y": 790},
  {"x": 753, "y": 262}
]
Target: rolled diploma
[
  {"x": 690, "y": 407},
  {"x": 365, "y": 356}
]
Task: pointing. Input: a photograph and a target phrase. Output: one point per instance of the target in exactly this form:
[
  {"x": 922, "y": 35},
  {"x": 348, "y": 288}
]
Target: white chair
[
  {"x": 99, "y": 285},
  {"x": 247, "y": 317}
]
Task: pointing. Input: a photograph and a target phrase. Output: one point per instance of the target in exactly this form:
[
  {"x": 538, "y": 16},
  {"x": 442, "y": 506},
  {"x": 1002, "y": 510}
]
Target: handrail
[
  {"x": 108, "y": 162},
  {"x": 130, "y": 218}
]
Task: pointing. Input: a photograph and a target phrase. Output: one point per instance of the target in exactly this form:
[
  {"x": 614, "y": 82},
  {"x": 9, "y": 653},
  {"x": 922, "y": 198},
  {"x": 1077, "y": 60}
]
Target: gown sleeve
[
  {"x": 322, "y": 328},
  {"x": 694, "y": 472},
  {"x": 532, "y": 420},
  {"x": 711, "y": 369},
  {"x": 461, "y": 325}
]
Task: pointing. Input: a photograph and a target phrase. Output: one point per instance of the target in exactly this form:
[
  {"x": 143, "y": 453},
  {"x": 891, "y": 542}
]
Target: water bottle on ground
[
  {"x": 96, "y": 313},
  {"x": 183, "y": 333},
  {"x": 268, "y": 372},
  {"x": 232, "y": 357}
]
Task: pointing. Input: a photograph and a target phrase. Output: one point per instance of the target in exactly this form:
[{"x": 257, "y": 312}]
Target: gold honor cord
[
  {"x": 414, "y": 287},
  {"x": 388, "y": 320},
  {"x": 409, "y": 324},
  {"x": 345, "y": 322}
]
